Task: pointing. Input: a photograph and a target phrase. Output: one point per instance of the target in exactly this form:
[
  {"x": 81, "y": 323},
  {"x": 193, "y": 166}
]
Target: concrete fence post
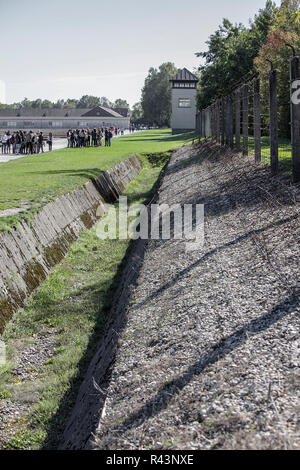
[
  {"x": 245, "y": 119},
  {"x": 212, "y": 120},
  {"x": 295, "y": 116},
  {"x": 230, "y": 119},
  {"x": 226, "y": 120},
  {"x": 238, "y": 120},
  {"x": 222, "y": 121},
  {"x": 257, "y": 119},
  {"x": 215, "y": 121},
  {"x": 218, "y": 121},
  {"x": 273, "y": 121}
]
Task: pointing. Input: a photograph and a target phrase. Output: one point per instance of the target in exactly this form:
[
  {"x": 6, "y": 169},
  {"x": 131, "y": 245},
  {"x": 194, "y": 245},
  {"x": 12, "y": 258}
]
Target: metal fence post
[
  {"x": 238, "y": 120},
  {"x": 295, "y": 116},
  {"x": 273, "y": 121},
  {"x": 245, "y": 119},
  {"x": 257, "y": 119}
]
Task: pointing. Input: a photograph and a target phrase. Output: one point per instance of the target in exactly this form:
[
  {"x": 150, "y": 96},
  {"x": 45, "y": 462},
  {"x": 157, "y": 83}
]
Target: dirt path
[{"x": 209, "y": 356}]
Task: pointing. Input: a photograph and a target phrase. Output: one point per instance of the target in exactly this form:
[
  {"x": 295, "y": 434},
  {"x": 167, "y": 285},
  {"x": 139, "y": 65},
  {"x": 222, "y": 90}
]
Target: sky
[{"x": 54, "y": 49}]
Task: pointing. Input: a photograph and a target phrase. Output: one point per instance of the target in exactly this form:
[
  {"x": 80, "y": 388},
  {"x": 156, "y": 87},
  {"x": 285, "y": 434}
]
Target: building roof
[
  {"x": 184, "y": 75},
  {"x": 123, "y": 111},
  {"x": 36, "y": 113}
]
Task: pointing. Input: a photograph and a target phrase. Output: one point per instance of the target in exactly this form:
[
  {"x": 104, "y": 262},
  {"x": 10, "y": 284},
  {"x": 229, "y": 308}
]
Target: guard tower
[{"x": 184, "y": 94}]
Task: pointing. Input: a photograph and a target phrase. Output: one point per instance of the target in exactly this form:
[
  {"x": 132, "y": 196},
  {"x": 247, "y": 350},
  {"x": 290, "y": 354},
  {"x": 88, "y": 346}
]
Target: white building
[
  {"x": 58, "y": 120},
  {"x": 184, "y": 93}
]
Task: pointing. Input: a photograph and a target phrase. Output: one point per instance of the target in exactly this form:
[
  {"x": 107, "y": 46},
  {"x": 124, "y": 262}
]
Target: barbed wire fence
[{"x": 248, "y": 121}]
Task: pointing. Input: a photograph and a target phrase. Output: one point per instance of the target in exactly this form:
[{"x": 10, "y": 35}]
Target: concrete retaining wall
[{"x": 28, "y": 253}]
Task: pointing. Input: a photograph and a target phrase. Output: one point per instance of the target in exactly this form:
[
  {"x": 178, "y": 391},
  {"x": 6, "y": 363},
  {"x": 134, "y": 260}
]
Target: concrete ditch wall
[{"x": 28, "y": 253}]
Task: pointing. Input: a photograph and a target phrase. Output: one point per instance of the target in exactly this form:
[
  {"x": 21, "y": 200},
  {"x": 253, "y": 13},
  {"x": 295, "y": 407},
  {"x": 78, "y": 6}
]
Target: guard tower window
[
  {"x": 184, "y": 85},
  {"x": 184, "y": 103}
]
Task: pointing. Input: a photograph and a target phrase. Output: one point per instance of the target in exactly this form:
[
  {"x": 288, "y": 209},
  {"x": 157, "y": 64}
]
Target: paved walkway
[{"x": 208, "y": 357}]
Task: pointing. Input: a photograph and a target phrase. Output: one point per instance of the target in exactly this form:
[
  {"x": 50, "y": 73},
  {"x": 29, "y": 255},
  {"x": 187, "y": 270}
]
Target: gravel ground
[
  {"x": 28, "y": 361},
  {"x": 209, "y": 357}
]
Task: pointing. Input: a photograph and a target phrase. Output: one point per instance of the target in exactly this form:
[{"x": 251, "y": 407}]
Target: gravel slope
[{"x": 209, "y": 357}]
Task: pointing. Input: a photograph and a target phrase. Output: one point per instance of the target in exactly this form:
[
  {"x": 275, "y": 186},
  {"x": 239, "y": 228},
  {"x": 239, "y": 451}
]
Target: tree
[
  {"x": 46, "y": 104},
  {"x": 156, "y": 94},
  {"x": 105, "y": 102},
  {"x": 60, "y": 104},
  {"x": 285, "y": 28},
  {"x": 231, "y": 53},
  {"x": 71, "y": 103},
  {"x": 137, "y": 113},
  {"x": 36, "y": 103},
  {"x": 88, "y": 101},
  {"x": 119, "y": 103}
]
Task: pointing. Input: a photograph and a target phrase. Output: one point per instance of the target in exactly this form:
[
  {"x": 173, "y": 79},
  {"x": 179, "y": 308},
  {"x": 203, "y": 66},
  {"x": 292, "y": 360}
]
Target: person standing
[
  {"x": 4, "y": 143},
  {"x": 94, "y": 137},
  {"x": 50, "y": 138},
  {"x": 8, "y": 142},
  {"x": 18, "y": 142},
  {"x": 72, "y": 139},
  {"x": 40, "y": 143},
  {"x": 29, "y": 145},
  {"x": 69, "y": 138},
  {"x": 110, "y": 136},
  {"x": 23, "y": 143},
  {"x": 13, "y": 143}
]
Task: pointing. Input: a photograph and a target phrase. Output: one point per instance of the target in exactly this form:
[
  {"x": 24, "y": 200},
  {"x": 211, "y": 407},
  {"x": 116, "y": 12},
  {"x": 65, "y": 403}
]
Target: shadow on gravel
[
  {"x": 185, "y": 271},
  {"x": 161, "y": 400}
]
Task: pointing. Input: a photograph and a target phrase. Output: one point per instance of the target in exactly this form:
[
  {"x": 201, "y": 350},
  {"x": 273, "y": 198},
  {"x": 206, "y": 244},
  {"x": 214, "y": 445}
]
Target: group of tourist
[
  {"x": 24, "y": 143},
  {"x": 92, "y": 138},
  {"x": 29, "y": 142}
]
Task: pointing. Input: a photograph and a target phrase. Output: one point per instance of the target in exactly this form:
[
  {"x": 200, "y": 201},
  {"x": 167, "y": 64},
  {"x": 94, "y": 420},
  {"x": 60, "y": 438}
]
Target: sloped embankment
[
  {"x": 29, "y": 252},
  {"x": 208, "y": 348}
]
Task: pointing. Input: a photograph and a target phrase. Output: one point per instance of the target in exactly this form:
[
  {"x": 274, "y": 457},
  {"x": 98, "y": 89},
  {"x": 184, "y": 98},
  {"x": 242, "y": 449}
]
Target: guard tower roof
[{"x": 184, "y": 75}]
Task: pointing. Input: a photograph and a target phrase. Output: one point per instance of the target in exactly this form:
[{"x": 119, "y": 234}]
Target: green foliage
[
  {"x": 137, "y": 114},
  {"x": 119, "y": 103},
  {"x": 231, "y": 53},
  {"x": 26, "y": 440},
  {"x": 285, "y": 28},
  {"x": 157, "y": 95},
  {"x": 86, "y": 101}
]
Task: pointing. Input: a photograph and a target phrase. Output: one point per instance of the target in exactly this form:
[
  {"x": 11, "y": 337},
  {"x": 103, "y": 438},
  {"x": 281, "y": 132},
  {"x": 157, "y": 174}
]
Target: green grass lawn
[
  {"x": 284, "y": 152},
  {"x": 34, "y": 181}
]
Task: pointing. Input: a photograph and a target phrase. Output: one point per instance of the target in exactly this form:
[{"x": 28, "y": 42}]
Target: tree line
[{"x": 86, "y": 101}]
